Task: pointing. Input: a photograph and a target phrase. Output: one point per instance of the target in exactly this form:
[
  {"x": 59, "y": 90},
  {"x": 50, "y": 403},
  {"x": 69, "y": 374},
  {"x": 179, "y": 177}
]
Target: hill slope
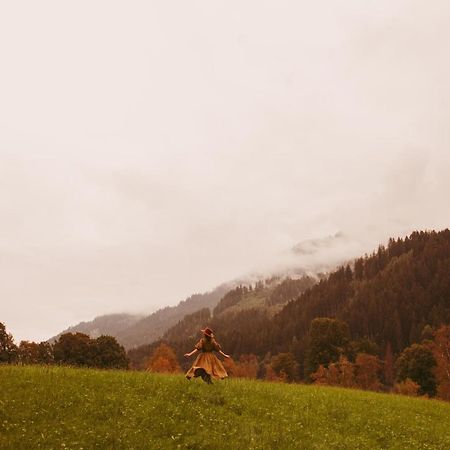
[
  {"x": 152, "y": 327},
  {"x": 61, "y": 407},
  {"x": 390, "y": 296},
  {"x": 109, "y": 324},
  {"x": 132, "y": 330}
]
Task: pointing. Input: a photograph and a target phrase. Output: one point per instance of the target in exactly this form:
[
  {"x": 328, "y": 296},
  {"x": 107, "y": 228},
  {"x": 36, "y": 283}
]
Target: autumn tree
[
  {"x": 367, "y": 372},
  {"x": 406, "y": 387},
  {"x": 285, "y": 366},
  {"x": 417, "y": 363},
  {"x": 340, "y": 373},
  {"x": 362, "y": 374},
  {"x": 441, "y": 351},
  {"x": 8, "y": 349},
  {"x": 246, "y": 367},
  {"x": 35, "y": 353},
  {"x": 45, "y": 353},
  {"x": 230, "y": 366},
  {"x": 320, "y": 376},
  {"x": 270, "y": 374},
  {"x": 346, "y": 372},
  {"x": 164, "y": 360},
  {"x": 28, "y": 352}
]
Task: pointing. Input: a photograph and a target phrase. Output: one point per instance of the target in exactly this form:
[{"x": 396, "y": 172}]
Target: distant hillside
[
  {"x": 263, "y": 299},
  {"x": 132, "y": 331},
  {"x": 270, "y": 294},
  {"x": 152, "y": 327},
  {"x": 109, "y": 324},
  {"x": 313, "y": 256},
  {"x": 390, "y": 297}
]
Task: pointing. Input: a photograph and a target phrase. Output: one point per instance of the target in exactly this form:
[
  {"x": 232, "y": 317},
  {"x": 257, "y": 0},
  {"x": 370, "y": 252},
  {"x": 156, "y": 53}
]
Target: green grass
[{"x": 61, "y": 407}]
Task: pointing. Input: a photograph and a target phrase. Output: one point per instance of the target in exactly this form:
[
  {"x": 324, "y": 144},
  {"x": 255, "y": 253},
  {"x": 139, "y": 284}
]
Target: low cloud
[{"x": 139, "y": 167}]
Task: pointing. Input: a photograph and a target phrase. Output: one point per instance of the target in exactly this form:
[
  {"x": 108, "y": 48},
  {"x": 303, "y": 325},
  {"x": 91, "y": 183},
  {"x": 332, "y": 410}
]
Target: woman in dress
[{"x": 207, "y": 364}]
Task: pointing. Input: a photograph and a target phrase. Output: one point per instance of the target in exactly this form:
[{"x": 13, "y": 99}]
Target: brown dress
[{"x": 207, "y": 360}]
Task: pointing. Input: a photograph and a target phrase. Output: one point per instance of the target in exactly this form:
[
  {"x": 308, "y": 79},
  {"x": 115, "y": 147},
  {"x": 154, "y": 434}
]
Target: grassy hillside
[{"x": 83, "y": 409}]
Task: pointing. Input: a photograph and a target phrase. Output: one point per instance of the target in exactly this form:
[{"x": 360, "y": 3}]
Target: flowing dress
[{"x": 207, "y": 361}]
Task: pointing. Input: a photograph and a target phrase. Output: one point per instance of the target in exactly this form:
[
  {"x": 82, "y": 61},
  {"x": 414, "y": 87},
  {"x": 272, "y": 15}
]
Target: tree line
[
  {"x": 380, "y": 305},
  {"x": 334, "y": 359},
  {"x": 75, "y": 349}
]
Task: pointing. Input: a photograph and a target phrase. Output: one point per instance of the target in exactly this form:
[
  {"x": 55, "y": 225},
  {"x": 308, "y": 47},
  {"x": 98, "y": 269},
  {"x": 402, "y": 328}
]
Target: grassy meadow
[{"x": 66, "y": 408}]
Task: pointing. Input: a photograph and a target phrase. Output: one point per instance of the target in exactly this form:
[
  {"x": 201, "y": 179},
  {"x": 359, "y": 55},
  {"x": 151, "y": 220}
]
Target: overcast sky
[{"x": 153, "y": 149}]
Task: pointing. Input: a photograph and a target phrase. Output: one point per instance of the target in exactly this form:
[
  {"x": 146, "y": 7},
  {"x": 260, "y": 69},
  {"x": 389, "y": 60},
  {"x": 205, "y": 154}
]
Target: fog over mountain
[{"x": 151, "y": 151}]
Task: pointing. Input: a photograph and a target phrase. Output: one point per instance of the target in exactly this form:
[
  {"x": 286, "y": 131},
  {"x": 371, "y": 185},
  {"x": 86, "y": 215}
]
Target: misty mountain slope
[
  {"x": 261, "y": 300},
  {"x": 132, "y": 331},
  {"x": 152, "y": 327},
  {"x": 109, "y": 324},
  {"x": 390, "y": 297},
  {"x": 269, "y": 294}
]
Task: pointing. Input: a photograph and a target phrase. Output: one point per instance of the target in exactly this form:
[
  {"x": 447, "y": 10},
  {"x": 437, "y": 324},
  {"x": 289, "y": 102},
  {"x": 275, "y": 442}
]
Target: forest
[{"x": 379, "y": 311}]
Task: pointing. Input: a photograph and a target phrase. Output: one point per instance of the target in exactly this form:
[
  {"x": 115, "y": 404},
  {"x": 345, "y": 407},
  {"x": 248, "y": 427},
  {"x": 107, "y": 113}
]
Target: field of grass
[{"x": 67, "y": 408}]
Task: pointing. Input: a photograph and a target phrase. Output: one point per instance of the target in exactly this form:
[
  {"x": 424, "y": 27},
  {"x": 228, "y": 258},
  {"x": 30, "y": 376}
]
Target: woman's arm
[
  {"x": 224, "y": 354},
  {"x": 191, "y": 353}
]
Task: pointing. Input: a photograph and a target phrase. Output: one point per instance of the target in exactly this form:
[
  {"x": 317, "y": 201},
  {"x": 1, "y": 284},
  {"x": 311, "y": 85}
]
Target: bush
[{"x": 406, "y": 387}]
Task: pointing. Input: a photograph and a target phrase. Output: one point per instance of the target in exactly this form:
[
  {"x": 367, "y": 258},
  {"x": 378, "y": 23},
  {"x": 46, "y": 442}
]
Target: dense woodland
[{"x": 381, "y": 305}]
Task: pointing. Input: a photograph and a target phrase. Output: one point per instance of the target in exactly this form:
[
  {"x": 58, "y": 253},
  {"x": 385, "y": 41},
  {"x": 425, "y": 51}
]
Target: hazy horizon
[{"x": 149, "y": 151}]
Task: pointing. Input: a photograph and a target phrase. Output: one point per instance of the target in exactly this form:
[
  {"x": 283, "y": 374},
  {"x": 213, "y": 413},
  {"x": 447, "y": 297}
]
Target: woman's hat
[{"x": 207, "y": 331}]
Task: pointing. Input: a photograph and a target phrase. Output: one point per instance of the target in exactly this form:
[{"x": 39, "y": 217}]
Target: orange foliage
[
  {"x": 270, "y": 374},
  {"x": 347, "y": 372},
  {"x": 441, "y": 352},
  {"x": 407, "y": 387},
  {"x": 320, "y": 376},
  {"x": 340, "y": 373},
  {"x": 443, "y": 390},
  {"x": 163, "y": 360},
  {"x": 246, "y": 367},
  {"x": 230, "y": 366},
  {"x": 367, "y": 369},
  {"x": 363, "y": 374}
]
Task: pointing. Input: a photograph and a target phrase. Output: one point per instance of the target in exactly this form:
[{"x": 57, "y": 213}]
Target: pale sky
[{"x": 153, "y": 149}]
